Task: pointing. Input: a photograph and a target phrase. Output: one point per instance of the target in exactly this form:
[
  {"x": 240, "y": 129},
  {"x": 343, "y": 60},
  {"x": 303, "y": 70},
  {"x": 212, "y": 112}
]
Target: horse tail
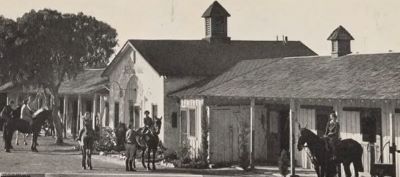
[{"x": 358, "y": 161}]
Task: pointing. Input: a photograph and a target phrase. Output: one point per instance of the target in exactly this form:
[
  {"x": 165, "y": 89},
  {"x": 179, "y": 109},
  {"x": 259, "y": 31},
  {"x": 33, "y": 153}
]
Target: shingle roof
[
  {"x": 365, "y": 76},
  {"x": 340, "y": 33},
  {"x": 200, "y": 58},
  {"x": 216, "y": 10},
  {"x": 86, "y": 82}
]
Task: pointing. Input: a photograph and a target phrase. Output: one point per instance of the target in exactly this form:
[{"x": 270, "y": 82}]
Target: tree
[
  {"x": 8, "y": 29},
  {"x": 52, "y": 47}
]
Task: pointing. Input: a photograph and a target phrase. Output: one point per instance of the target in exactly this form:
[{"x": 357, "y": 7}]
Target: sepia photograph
[{"x": 199, "y": 88}]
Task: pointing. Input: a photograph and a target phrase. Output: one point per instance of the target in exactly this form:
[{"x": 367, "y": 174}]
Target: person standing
[{"x": 26, "y": 114}]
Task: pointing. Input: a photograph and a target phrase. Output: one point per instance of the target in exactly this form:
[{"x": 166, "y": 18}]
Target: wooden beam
[
  {"x": 292, "y": 118},
  {"x": 65, "y": 115},
  {"x": 79, "y": 111},
  {"x": 94, "y": 111},
  {"x": 252, "y": 105}
]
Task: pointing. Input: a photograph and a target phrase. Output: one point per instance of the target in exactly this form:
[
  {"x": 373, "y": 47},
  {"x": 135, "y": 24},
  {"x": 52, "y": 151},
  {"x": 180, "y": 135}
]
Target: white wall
[{"x": 150, "y": 87}]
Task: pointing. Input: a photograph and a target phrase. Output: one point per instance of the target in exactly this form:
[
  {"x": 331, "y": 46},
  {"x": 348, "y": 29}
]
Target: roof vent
[{"x": 340, "y": 38}]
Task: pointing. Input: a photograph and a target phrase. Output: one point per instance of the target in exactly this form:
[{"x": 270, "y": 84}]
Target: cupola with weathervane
[
  {"x": 340, "y": 38},
  {"x": 216, "y": 23}
]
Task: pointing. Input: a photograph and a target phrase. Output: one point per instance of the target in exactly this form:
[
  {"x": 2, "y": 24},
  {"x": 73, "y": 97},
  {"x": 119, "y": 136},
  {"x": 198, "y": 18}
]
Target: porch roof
[
  {"x": 87, "y": 82},
  {"x": 361, "y": 76}
]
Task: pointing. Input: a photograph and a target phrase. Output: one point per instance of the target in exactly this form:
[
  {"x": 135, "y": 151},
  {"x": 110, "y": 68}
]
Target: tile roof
[
  {"x": 201, "y": 58},
  {"x": 86, "y": 82},
  {"x": 340, "y": 33},
  {"x": 364, "y": 76},
  {"x": 216, "y": 10}
]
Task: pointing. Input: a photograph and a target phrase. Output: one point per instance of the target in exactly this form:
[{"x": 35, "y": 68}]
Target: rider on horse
[
  {"x": 26, "y": 111},
  {"x": 332, "y": 133},
  {"x": 148, "y": 123}
]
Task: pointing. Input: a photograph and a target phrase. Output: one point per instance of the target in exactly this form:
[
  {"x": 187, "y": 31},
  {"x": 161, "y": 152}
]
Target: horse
[
  {"x": 39, "y": 118},
  {"x": 348, "y": 151},
  {"x": 86, "y": 143},
  {"x": 149, "y": 142}
]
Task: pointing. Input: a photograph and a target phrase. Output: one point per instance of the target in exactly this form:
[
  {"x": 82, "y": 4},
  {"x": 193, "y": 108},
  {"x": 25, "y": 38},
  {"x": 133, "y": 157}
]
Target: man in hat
[
  {"x": 332, "y": 133},
  {"x": 148, "y": 122}
]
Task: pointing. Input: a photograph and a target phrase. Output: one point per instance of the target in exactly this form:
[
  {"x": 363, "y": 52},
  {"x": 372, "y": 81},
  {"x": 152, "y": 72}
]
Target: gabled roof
[
  {"x": 200, "y": 58},
  {"x": 340, "y": 33},
  {"x": 365, "y": 76},
  {"x": 86, "y": 82},
  {"x": 215, "y": 10}
]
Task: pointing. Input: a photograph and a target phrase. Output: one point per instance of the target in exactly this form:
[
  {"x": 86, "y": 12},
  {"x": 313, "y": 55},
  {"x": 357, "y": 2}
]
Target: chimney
[
  {"x": 216, "y": 23},
  {"x": 340, "y": 38}
]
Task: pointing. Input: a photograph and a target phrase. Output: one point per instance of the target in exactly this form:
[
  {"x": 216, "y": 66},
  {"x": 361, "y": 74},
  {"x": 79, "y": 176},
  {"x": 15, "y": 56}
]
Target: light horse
[
  {"x": 39, "y": 118},
  {"x": 348, "y": 151},
  {"x": 86, "y": 144},
  {"x": 149, "y": 142}
]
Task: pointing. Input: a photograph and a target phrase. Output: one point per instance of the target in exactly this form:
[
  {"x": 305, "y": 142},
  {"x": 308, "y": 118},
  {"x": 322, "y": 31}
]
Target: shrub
[
  {"x": 106, "y": 141},
  {"x": 243, "y": 146},
  {"x": 284, "y": 163},
  {"x": 120, "y": 133}
]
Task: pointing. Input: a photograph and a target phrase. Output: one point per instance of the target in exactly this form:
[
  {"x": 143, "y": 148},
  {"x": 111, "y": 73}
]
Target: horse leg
[
  {"x": 144, "y": 164},
  {"x": 89, "y": 158},
  {"x": 154, "y": 158},
  {"x": 16, "y": 138},
  {"x": 148, "y": 159},
  {"x": 347, "y": 169},
  {"x": 34, "y": 140},
  {"x": 25, "y": 135},
  {"x": 83, "y": 158},
  {"x": 127, "y": 164},
  {"x": 316, "y": 168}
]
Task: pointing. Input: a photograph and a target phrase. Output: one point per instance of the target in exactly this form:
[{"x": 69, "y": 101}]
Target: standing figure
[
  {"x": 86, "y": 140},
  {"x": 131, "y": 147},
  {"x": 332, "y": 133}
]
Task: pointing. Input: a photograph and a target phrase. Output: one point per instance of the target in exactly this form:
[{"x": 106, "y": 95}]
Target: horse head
[
  {"x": 304, "y": 137},
  {"x": 158, "y": 124},
  {"x": 43, "y": 114}
]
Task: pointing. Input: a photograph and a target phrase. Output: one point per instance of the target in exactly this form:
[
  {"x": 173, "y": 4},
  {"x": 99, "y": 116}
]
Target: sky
[{"x": 373, "y": 23}]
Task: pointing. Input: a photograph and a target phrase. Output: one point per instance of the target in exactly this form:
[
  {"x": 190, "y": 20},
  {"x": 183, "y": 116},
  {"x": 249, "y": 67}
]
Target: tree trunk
[{"x": 57, "y": 119}]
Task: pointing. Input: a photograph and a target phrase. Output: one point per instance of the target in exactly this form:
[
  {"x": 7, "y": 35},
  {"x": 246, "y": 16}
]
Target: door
[
  {"x": 131, "y": 113},
  {"x": 116, "y": 114}
]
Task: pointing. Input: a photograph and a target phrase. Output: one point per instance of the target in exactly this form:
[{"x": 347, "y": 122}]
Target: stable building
[
  {"x": 270, "y": 97},
  {"x": 145, "y": 72}
]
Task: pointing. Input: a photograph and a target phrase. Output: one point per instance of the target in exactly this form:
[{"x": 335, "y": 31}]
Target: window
[
  {"x": 107, "y": 112},
  {"x": 116, "y": 114},
  {"x": 154, "y": 110},
  {"x": 192, "y": 121},
  {"x": 184, "y": 122},
  {"x": 208, "y": 26},
  {"x": 133, "y": 56},
  {"x": 131, "y": 111},
  {"x": 174, "y": 118},
  {"x": 137, "y": 117}
]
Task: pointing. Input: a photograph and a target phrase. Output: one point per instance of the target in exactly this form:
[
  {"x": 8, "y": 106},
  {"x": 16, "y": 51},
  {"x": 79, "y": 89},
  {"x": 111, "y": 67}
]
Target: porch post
[
  {"x": 392, "y": 123},
  {"x": 101, "y": 110},
  {"x": 292, "y": 118},
  {"x": 80, "y": 120},
  {"x": 94, "y": 111},
  {"x": 252, "y": 104},
  {"x": 65, "y": 115}
]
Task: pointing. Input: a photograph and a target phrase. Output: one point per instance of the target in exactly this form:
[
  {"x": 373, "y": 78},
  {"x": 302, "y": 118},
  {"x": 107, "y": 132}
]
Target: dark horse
[
  {"x": 348, "y": 151},
  {"x": 149, "y": 142},
  {"x": 39, "y": 118}
]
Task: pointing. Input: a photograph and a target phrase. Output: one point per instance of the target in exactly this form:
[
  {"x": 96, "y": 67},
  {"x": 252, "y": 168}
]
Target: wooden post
[
  {"x": 102, "y": 106},
  {"x": 65, "y": 115},
  {"x": 292, "y": 118},
  {"x": 252, "y": 105},
  {"x": 94, "y": 111},
  {"x": 208, "y": 133},
  {"x": 392, "y": 123},
  {"x": 80, "y": 120}
]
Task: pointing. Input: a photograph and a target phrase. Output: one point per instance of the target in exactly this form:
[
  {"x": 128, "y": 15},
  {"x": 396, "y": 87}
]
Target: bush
[
  {"x": 106, "y": 140},
  {"x": 284, "y": 163},
  {"x": 243, "y": 146}
]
